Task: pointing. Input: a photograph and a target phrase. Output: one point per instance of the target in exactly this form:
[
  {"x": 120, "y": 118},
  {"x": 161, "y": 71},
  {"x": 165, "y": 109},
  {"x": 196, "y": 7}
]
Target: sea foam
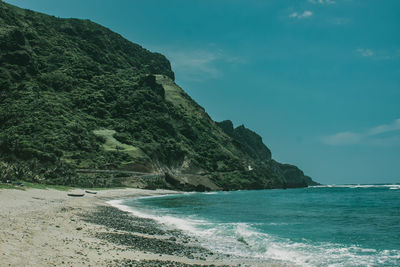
[{"x": 246, "y": 240}]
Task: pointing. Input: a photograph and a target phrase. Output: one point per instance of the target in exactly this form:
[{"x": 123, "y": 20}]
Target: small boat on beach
[
  {"x": 75, "y": 195},
  {"x": 90, "y": 192}
]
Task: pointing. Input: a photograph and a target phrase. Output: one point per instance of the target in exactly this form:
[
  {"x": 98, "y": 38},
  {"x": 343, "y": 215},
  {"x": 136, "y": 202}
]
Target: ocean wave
[
  {"x": 265, "y": 246},
  {"x": 390, "y": 186},
  {"x": 243, "y": 240},
  {"x": 183, "y": 224}
]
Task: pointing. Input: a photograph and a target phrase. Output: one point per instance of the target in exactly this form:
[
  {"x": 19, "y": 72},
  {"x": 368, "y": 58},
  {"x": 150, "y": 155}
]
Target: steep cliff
[{"x": 75, "y": 95}]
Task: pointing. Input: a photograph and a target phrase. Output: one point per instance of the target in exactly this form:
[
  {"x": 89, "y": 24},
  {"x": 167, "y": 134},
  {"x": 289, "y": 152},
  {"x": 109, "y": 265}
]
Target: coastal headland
[{"x": 82, "y": 106}]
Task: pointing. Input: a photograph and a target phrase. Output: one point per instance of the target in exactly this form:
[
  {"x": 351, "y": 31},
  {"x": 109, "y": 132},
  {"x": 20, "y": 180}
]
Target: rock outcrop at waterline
[{"x": 75, "y": 95}]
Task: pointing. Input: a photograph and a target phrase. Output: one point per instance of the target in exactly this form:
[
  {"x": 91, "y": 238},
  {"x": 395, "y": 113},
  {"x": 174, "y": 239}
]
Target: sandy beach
[{"x": 48, "y": 228}]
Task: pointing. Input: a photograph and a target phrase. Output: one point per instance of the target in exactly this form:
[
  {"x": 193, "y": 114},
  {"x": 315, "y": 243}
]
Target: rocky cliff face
[
  {"x": 249, "y": 141},
  {"x": 75, "y": 95}
]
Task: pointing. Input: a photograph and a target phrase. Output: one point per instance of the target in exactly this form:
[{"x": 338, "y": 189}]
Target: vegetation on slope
[{"x": 75, "y": 95}]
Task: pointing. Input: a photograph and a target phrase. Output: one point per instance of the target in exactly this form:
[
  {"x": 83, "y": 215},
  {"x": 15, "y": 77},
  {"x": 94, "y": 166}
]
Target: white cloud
[
  {"x": 372, "y": 136},
  {"x": 197, "y": 61},
  {"x": 382, "y": 54},
  {"x": 305, "y": 14},
  {"x": 197, "y": 64},
  {"x": 387, "y": 55},
  {"x": 322, "y": 2},
  {"x": 344, "y": 138},
  {"x": 395, "y": 126},
  {"x": 365, "y": 52}
]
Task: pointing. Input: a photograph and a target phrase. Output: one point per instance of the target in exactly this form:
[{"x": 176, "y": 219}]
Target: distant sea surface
[{"x": 349, "y": 225}]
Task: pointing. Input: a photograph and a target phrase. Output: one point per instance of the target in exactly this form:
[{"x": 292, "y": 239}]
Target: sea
[{"x": 332, "y": 225}]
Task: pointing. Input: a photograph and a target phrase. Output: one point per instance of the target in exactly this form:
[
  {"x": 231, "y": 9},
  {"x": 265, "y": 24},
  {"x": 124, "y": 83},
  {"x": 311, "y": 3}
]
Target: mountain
[{"x": 76, "y": 96}]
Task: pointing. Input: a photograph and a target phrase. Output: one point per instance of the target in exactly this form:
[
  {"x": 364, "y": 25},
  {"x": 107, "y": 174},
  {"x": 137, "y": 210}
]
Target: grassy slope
[{"x": 112, "y": 144}]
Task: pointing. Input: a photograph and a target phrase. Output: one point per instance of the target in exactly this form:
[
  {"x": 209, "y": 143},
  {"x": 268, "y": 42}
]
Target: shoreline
[{"x": 45, "y": 227}]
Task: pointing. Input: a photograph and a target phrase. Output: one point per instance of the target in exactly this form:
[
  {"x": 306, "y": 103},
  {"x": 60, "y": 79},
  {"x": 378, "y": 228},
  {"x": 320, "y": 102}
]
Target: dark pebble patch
[
  {"x": 157, "y": 263},
  {"x": 120, "y": 220},
  {"x": 153, "y": 245},
  {"x": 175, "y": 243}
]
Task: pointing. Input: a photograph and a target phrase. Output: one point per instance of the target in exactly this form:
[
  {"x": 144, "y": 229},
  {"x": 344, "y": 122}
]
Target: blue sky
[{"x": 319, "y": 80}]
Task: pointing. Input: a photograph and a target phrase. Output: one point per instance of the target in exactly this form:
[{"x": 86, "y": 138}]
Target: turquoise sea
[{"x": 348, "y": 225}]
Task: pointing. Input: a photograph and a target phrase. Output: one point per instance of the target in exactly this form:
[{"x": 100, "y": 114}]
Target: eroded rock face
[
  {"x": 281, "y": 175},
  {"x": 249, "y": 141},
  {"x": 294, "y": 177}
]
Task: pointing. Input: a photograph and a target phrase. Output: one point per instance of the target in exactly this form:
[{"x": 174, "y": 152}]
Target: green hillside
[{"x": 75, "y": 95}]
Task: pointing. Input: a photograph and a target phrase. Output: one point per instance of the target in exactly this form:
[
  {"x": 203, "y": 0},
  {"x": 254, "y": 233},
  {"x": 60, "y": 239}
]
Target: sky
[{"x": 319, "y": 80}]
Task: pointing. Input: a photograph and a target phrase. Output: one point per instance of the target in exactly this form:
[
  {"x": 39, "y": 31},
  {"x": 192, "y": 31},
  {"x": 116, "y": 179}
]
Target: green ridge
[{"x": 74, "y": 94}]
